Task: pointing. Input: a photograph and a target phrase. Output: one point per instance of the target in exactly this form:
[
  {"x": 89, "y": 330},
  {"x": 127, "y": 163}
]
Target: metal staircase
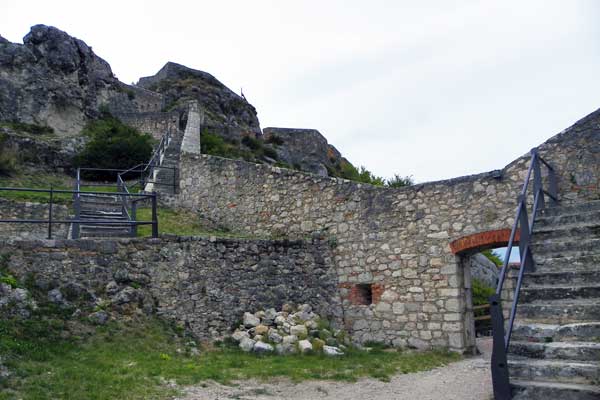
[
  {"x": 549, "y": 348},
  {"x": 104, "y": 215}
]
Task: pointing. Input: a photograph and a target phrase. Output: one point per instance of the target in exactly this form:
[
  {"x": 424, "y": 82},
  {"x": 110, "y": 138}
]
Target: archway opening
[{"x": 481, "y": 257}]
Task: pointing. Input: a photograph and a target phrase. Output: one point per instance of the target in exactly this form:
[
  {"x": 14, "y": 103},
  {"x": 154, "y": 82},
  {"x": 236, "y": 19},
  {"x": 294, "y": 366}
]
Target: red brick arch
[{"x": 482, "y": 241}]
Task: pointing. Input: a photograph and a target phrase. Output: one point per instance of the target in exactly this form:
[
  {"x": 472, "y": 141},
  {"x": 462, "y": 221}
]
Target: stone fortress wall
[
  {"x": 11, "y": 210},
  {"x": 153, "y": 122},
  {"x": 202, "y": 284},
  {"x": 399, "y": 279}
]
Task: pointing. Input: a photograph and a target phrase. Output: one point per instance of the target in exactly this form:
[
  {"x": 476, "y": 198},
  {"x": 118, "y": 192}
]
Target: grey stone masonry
[
  {"x": 203, "y": 284},
  {"x": 11, "y": 210},
  {"x": 191, "y": 136},
  {"x": 399, "y": 280}
]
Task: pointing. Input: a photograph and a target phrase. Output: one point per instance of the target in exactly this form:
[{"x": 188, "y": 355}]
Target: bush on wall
[{"x": 113, "y": 145}]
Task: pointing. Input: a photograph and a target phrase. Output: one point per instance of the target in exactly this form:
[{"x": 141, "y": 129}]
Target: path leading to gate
[{"x": 468, "y": 379}]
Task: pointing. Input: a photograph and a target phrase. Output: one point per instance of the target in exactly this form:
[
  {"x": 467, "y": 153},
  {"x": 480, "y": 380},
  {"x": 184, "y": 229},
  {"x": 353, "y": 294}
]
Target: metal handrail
[
  {"x": 522, "y": 224},
  {"x": 77, "y": 220}
]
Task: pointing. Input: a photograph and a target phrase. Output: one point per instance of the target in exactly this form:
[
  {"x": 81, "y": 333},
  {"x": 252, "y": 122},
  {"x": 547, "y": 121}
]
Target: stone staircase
[
  {"x": 165, "y": 180},
  {"x": 105, "y": 208},
  {"x": 555, "y": 346}
]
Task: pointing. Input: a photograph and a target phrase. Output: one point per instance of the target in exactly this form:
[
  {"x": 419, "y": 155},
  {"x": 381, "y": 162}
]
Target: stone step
[
  {"x": 559, "y": 292},
  {"x": 571, "y": 277},
  {"x": 576, "y": 351},
  {"x": 560, "y": 311},
  {"x": 100, "y": 235},
  {"x": 572, "y": 209},
  {"x": 567, "y": 262},
  {"x": 101, "y": 217},
  {"x": 90, "y": 226},
  {"x": 535, "y": 332},
  {"x": 567, "y": 219},
  {"x": 583, "y": 246},
  {"x": 527, "y": 390},
  {"x": 561, "y": 371},
  {"x": 586, "y": 229}
]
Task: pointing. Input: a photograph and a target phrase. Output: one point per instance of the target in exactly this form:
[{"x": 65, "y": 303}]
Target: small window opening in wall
[{"x": 364, "y": 294}]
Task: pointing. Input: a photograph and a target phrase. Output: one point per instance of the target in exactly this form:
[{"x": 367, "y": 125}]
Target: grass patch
[
  {"x": 40, "y": 180},
  {"x": 33, "y": 129},
  {"x": 134, "y": 361},
  {"x": 182, "y": 223}
]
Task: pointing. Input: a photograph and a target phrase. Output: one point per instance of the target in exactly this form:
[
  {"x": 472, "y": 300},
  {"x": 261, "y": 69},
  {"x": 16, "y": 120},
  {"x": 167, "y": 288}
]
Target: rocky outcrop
[
  {"x": 484, "y": 270},
  {"x": 305, "y": 149},
  {"x": 222, "y": 107},
  {"x": 56, "y": 80}
]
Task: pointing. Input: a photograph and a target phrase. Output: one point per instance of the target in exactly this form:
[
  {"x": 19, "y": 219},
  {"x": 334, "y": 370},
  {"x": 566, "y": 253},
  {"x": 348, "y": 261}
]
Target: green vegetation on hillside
[
  {"x": 51, "y": 357},
  {"x": 112, "y": 145},
  {"x": 252, "y": 149},
  {"x": 33, "y": 129},
  {"x": 480, "y": 292},
  {"x": 493, "y": 257},
  {"x": 42, "y": 180},
  {"x": 345, "y": 170},
  {"x": 8, "y": 159}
]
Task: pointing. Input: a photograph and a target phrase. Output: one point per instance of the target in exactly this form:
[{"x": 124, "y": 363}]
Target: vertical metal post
[
  {"x": 50, "y": 213},
  {"x": 537, "y": 179},
  {"x": 134, "y": 219},
  {"x": 500, "y": 378},
  {"x": 154, "y": 217},
  {"x": 77, "y": 206},
  {"x": 174, "y": 180},
  {"x": 553, "y": 187},
  {"x": 524, "y": 238}
]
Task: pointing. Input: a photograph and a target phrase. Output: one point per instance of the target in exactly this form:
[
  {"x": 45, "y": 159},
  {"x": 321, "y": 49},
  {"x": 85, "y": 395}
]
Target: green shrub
[
  {"x": 480, "y": 292},
  {"x": 112, "y": 145},
  {"x": 8, "y": 159},
  {"x": 399, "y": 181},
  {"x": 251, "y": 143},
  {"x": 274, "y": 139},
  {"x": 34, "y": 129},
  {"x": 349, "y": 171},
  {"x": 271, "y": 153},
  {"x": 493, "y": 257}
]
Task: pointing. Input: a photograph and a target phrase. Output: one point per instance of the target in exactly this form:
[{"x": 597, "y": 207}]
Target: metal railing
[
  {"x": 524, "y": 225},
  {"x": 147, "y": 170},
  {"x": 129, "y": 200},
  {"x": 77, "y": 220}
]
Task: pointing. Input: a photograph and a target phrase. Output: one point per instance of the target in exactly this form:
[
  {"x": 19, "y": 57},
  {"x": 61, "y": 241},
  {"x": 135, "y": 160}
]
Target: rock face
[
  {"x": 484, "y": 270},
  {"x": 56, "y": 80},
  {"x": 305, "y": 149},
  {"x": 223, "y": 109}
]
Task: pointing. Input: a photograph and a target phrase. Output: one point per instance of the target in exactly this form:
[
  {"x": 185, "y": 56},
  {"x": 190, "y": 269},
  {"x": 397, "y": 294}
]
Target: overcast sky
[{"x": 433, "y": 89}]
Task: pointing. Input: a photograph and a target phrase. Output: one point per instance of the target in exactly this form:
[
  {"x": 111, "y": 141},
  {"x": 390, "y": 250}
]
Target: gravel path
[{"x": 468, "y": 379}]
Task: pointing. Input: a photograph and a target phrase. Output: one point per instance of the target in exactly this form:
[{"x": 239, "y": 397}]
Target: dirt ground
[{"x": 468, "y": 379}]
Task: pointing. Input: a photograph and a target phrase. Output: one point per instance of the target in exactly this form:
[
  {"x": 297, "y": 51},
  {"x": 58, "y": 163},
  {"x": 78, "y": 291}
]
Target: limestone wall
[
  {"x": 398, "y": 278},
  {"x": 11, "y": 210},
  {"x": 154, "y": 123},
  {"x": 202, "y": 284}
]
